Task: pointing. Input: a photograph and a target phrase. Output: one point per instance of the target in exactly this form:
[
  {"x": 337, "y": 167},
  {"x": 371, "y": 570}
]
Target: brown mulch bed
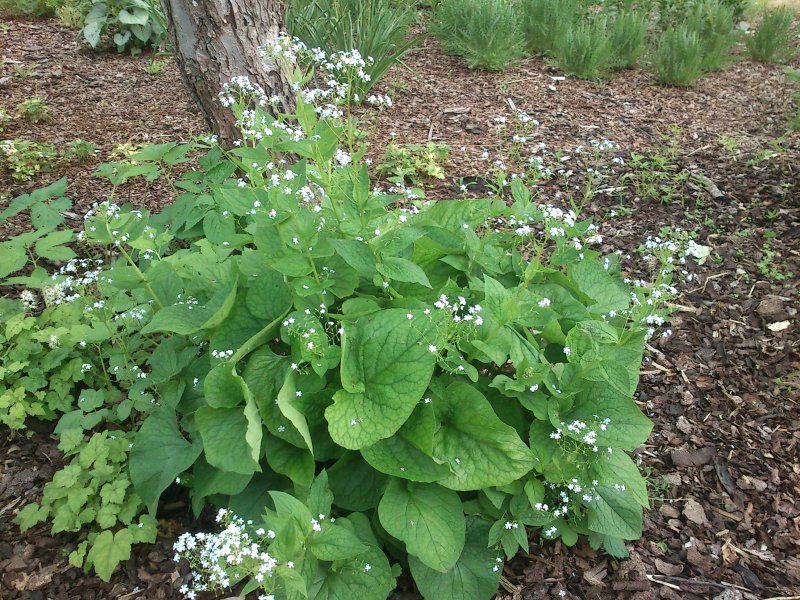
[{"x": 724, "y": 456}]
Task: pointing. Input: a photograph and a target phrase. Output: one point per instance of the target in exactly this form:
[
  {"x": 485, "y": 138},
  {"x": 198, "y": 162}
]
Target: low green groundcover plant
[{"x": 357, "y": 380}]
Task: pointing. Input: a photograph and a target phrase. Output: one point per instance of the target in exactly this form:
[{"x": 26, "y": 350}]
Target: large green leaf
[
  {"x": 618, "y": 468},
  {"x": 335, "y": 542},
  {"x": 187, "y": 319},
  {"x": 409, "y": 452},
  {"x": 366, "y": 576},
  {"x": 356, "y": 254},
  {"x": 224, "y": 432},
  {"x": 628, "y": 427},
  {"x": 475, "y": 576},
  {"x": 386, "y": 367},
  {"x": 108, "y": 550},
  {"x": 268, "y": 296},
  {"x": 606, "y": 292},
  {"x": 617, "y": 513},
  {"x": 482, "y": 450},
  {"x": 296, "y": 463},
  {"x": 401, "y": 269},
  {"x": 427, "y": 517},
  {"x": 286, "y": 404},
  {"x": 159, "y": 454},
  {"x": 222, "y": 387}
]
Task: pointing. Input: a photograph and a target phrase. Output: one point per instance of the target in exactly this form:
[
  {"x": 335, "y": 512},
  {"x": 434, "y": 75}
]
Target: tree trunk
[{"x": 216, "y": 40}]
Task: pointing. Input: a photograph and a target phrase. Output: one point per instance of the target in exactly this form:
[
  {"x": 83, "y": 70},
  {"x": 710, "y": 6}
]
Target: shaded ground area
[{"x": 723, "y": 459}]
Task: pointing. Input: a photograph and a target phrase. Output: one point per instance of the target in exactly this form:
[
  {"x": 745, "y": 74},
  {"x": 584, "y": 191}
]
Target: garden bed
[{"x": 723, "y": 457}]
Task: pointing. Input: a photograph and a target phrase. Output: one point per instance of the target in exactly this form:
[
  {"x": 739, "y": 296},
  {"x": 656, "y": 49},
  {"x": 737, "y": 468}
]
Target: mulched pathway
[{"x": 724, "y": 457}]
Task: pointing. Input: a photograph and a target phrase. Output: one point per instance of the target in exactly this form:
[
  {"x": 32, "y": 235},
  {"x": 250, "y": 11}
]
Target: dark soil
[{"x": 723, "y": 391}]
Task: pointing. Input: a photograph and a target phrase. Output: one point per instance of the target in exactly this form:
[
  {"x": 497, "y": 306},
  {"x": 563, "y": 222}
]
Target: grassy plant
[
  {"x": 772, "y": 41},
  {"x": 376, "y": 28},
  {"x": 627, "y": 33},
  {"x": 487, "y": 33},
  {"x": 585, "y": 49},
  {"x": 712, "y": 21},
  {"x": 33, "y": 109},
  {"x": 678, "y": 58},
  {"x": 544, "y": 21}
]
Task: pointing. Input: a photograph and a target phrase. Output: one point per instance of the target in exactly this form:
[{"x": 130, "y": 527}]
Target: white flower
[{"x": 433, "y": 349}]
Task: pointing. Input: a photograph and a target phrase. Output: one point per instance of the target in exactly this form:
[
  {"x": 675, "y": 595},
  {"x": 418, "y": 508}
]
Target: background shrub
[
  {"x": 545, "y": 21},
  {"x": 772, "y": 41},
  {"x": 130, "y": 24},
  {"x": 712, "y": 21},
  {"x": 627, "y": 32},
  {"x": 487, "y": 33},
  {"x": 585, "y": 50},
  {"x": 678, "y": 57}
]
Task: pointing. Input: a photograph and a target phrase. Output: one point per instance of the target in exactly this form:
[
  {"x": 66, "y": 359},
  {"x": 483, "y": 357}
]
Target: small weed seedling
[
  {"x": 33, "y": 110},
  {"x": 414, "y": 162}
]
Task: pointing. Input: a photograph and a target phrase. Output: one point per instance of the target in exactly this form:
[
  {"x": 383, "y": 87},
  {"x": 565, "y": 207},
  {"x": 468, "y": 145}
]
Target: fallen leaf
[
  {"x": 596, "y": 575},
  {"x": 666, "y": 568},
  {"x": 694, "y": 512},
  {"x": 696, "y": 458},
  {"x": 779, "y": 326}
]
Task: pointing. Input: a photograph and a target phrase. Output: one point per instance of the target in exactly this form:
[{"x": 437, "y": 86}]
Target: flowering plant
[{"x": 361, "y": 375}]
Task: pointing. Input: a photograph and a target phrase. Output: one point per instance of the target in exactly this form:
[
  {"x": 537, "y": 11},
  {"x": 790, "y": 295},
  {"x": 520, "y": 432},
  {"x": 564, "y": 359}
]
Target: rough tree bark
[{"x": 216, "y": 40}]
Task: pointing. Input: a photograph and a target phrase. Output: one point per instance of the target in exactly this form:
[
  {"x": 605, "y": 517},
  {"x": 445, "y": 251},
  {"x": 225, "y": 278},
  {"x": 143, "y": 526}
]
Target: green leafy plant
[
  {"x": 366, "y": 376},
  {"x": 678, "y": 57},
  {"x": 413, "y": 162},
  {"x": 5, "y": 119},
  {"x": 585, "y": 49},
  {"x": 131, "y": 24},
  {"x": 771, "y": 42},
  {"x": 154, "y": 66},
  {"x": 64, "y": 10},
  {"x": 627, "y": 31},
  {"x": 545, "y": 21},
  {"x": 24, "y": 159},
  {"x": 376, "y": 29},
  {"x": 24, "y": 71},
  {"x": 94, "y": 489},
  {"x": 33, "y": 110},
  {"x": 80, "y": 150},
  {"x": 487, "y": 33}
]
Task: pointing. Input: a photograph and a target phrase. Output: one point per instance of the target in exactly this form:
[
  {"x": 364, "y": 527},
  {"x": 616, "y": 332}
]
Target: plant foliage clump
[
  {"x": 545, "y": 21},
  {"x": 585, "y": 49},
  {"x": 487, "y": 33},
  {"x": 130, "y": 24},
  {"x": 359, "y": 379},
  {"x": 772, "y": 41},
  {"x": 678, "y": 57}
]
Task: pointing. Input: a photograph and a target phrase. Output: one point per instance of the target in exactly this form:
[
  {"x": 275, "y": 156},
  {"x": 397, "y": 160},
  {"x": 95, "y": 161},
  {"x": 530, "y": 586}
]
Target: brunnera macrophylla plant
[{"x": 361, "y": 379}]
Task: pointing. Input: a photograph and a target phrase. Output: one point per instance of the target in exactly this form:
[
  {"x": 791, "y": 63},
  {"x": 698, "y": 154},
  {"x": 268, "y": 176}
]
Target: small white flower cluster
[
  {"x": 239, "y": 89},
  {"x": 603, "y": 145},
  {"x": 219, "y": 559},
  {"x": 29, "y": 300},
  {"x": 461, "y": 311},
  {"x": 222, "y": 354},
  {"x": 588, "y": 434},
  {"x": 380, "y": 100}
]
